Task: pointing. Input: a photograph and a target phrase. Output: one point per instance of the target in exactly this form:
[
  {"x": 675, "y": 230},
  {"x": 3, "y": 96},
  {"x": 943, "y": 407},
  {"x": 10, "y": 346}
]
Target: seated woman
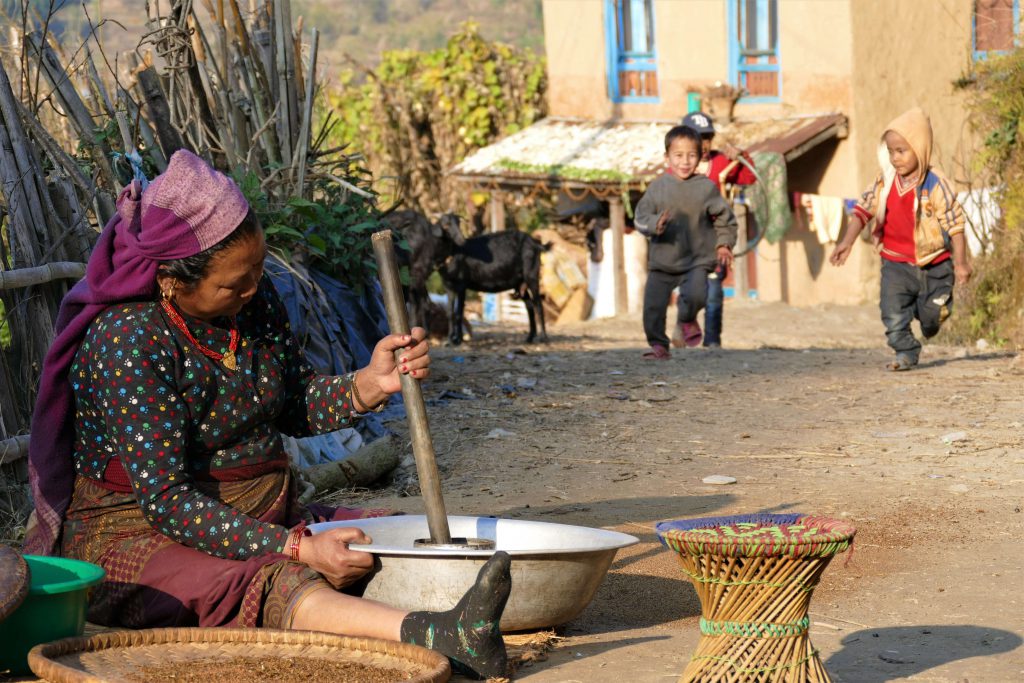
[{"x": 156, "y": 444}]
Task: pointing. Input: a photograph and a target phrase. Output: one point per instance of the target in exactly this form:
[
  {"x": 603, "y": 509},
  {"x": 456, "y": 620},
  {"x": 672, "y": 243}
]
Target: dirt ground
[{"x": 799, "y": 410}]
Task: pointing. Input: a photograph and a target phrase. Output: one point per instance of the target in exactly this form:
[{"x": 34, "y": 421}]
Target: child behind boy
[
  {"x": 691, "y": 229},
  {"x": 919, "y": 231}
]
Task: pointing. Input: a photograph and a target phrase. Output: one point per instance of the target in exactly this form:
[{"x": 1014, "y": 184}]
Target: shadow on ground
[
  {"x": 885, "y": 654},
  {"x": 626, "y": 602},
  {"x": 981, "y": 357},
  {"x": 579, "y": 651},
  {"x": 638, "y": 513}
]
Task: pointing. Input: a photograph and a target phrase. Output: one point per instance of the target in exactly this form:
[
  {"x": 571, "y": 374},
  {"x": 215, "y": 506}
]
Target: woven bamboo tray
[
  {"x": 754, "y": 575},
  {"x": 120, "y": 655}
]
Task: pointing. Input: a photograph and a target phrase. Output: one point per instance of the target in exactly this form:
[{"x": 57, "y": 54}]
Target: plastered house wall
[{"x": 869, "y": 59}]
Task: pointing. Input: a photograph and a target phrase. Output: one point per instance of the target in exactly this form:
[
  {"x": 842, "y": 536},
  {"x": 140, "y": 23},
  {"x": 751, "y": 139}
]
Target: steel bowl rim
[{"x": 621, "y": 540}]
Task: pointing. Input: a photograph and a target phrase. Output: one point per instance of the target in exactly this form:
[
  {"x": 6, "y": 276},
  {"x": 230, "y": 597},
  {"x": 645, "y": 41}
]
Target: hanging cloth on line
[{"x": 824, "y": 216}]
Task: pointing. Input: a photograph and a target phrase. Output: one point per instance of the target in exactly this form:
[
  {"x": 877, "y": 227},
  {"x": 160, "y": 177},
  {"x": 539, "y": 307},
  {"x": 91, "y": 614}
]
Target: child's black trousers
[
  {"x": 910, "y": 292},
  {"x": 693, "y": 295}
]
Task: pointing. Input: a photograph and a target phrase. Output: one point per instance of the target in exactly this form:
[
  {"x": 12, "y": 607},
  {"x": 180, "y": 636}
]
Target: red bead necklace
[{"x": 228, "y": 359}]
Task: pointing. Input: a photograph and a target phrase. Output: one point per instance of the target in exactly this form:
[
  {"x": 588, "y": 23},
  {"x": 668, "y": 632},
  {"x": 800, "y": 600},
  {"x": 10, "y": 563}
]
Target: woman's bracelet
[
  {"x": 359, "y": 399},
  {"x": 294, "y": 538}
]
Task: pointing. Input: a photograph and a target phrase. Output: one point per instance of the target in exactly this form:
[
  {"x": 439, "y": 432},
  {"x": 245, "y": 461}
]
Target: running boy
[
  {"x": 691, "y": 229},
  {"x": 919, "y": 231},
  {"x": 730, "y": 166}
]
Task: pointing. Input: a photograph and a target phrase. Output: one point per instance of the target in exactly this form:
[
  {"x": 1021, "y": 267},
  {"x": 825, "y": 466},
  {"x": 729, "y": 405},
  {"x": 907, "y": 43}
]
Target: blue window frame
[
  {"x": 632, "y": 60},
  {"x": 754, "y": 49},
  {"x": 995, "y": 27}
]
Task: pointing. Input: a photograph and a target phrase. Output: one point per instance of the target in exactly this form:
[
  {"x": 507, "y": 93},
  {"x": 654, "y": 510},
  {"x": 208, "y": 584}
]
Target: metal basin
[{"x": 556, "y": 568}]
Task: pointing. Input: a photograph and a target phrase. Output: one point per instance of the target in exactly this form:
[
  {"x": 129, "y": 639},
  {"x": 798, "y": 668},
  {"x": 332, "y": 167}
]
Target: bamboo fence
[{"x": 236, "y": 86}]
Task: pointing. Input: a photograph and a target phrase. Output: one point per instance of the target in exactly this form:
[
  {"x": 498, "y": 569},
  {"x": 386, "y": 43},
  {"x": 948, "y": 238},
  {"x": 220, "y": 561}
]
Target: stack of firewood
[{"x": 235, "y": 86}]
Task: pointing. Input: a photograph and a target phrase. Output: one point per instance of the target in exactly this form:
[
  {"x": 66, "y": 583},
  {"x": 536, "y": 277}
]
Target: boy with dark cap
[
  {"x": 919, "y": 232},
  {"x": 723, "y": 168}
]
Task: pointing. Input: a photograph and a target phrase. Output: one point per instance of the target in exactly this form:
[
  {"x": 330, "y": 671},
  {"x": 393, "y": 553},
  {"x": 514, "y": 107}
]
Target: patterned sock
[{"x": 468, "y": 633}]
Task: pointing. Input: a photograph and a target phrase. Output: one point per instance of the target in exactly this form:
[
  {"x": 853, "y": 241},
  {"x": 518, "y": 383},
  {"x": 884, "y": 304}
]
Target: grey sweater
[{"x": 701, "y": 221}]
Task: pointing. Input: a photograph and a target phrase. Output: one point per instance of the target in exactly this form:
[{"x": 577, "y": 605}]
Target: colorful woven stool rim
[{"x": 758, "y": 535}]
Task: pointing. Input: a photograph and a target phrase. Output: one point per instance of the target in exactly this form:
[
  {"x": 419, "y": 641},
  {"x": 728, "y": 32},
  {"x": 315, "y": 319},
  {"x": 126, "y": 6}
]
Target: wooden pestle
[{"x": 412, "y": 393}]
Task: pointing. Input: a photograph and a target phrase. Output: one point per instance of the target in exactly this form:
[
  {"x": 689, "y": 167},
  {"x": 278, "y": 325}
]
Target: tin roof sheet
[{"x": 584, "y": 152}]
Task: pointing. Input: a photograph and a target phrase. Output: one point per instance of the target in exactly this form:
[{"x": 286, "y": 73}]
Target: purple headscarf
[{"x": 185, "y": 210}]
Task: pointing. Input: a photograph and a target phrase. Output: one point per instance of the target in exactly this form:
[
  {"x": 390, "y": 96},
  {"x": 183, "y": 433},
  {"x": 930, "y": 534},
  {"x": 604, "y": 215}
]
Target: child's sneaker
[
  {"x": 658, "y": 352},
  {"x": 691, "y": 332},
  {"x": 901, "y": 363}
]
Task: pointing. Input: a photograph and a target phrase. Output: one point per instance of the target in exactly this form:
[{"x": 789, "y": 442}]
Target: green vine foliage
[
  {"x": 331, "y": 231},
  {"x": 995, "y": 297},
  {"x": 419, "y": 113},
  {"x": 563, "y": 171}
]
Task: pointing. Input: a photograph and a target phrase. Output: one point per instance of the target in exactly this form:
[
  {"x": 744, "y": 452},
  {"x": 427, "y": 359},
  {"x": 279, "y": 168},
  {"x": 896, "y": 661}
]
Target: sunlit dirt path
[{"x": 928, "y": 465}]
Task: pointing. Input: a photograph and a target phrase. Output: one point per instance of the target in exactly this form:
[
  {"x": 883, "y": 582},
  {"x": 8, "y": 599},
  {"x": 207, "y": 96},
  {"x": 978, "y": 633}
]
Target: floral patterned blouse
[{"x": 146, "y": 396}]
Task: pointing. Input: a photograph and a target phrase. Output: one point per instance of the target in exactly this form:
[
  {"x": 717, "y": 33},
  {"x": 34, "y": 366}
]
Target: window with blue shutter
[
  {"x": 995, "y": 26},
  {"x": 632, "y": 62},
  {"x": 754, "y": 49}
]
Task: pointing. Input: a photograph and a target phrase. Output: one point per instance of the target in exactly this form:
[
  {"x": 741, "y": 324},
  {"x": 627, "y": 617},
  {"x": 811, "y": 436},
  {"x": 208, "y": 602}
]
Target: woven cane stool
[{"x": 754, "y": 575}]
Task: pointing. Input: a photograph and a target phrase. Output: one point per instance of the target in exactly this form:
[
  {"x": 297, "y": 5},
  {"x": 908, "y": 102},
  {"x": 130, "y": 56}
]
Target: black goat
[
  {"x": 496, "y": 262},
  {"x": 429, "y": 245}
]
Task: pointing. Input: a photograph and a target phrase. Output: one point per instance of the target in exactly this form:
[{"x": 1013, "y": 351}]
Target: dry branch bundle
[{"x": 226, "y": 81}]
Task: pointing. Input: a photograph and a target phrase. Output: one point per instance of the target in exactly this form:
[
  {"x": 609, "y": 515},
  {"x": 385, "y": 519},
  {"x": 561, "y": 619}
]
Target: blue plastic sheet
[{"x": 337, "y": 329}]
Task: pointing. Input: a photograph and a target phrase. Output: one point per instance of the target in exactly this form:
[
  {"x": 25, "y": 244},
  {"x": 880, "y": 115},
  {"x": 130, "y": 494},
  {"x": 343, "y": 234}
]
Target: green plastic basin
[{"x": 53, "y": 609}]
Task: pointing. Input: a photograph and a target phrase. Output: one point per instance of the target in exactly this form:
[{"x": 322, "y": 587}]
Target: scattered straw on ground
[
  {"x": 526, "y": 648},
  {"x": 353, "y": 497}
]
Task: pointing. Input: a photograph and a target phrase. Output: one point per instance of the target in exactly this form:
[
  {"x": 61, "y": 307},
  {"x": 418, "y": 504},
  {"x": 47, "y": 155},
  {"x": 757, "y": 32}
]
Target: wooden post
[
  {"x": 294, "y": 82},
  {"x": 67, "y": 97},
  {"x": 37, "y": 275},
  {"x": 79, "y": 237},
  {"x": 29, "y": 318},
  {"x": 282, "y": 45},
  {"x": 26, "y": 232},
  {"x": 497, "y": 225},
  {"x": 739, "y": 266},
  {"x": 214, "y": 138},
  {"x": 497, "y": 212},
  {"x": 159, "y": 111},
  {"x": 14, "y": 448},
  {"x": 264, "y": 45},
  {"x": 13, "y": 411},
  {"x": 617, "y": 217},
  {"x": 307, "y": 113}
]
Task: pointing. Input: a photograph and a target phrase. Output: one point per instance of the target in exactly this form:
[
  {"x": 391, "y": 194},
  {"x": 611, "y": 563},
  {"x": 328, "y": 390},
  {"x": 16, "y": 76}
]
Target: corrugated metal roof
[{"x": 581, "y": 153}]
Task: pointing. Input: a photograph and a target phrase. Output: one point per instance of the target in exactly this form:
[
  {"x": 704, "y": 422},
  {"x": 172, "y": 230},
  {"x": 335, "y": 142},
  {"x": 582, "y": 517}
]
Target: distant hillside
[
  {"x": 361, "y": 28},
  {"x": 365, "y": 29}
]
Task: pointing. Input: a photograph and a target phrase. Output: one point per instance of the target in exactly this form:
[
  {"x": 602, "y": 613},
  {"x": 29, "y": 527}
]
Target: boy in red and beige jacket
[{"x": 919, "y": 232}]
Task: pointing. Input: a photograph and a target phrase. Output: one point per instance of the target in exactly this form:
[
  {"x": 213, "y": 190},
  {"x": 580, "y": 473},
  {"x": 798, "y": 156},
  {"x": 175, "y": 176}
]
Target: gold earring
[{"x": 168, "y": 293}]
